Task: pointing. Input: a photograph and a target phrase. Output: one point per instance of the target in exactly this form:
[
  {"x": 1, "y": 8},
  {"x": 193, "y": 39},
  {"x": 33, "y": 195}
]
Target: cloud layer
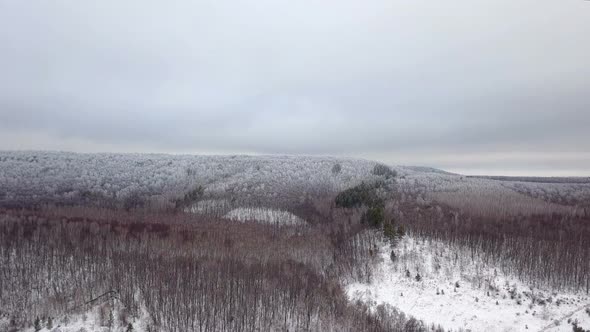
[{"x": 494, "y": 86}]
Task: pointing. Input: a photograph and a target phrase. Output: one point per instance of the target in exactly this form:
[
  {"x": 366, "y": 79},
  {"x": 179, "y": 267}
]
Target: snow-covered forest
[
  {"x": 132, "y": 242},
  {"x": 135, "y": 179}
]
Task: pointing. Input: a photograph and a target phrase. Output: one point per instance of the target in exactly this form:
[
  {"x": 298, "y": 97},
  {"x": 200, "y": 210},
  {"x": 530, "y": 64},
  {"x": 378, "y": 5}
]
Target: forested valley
[{"x": 238, "y": 243}]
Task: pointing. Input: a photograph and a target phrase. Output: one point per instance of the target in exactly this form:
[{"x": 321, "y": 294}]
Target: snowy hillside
[
  {"x": 34, "y": 177},
  {"x": 490, "y": 197},
  {"x": 461, "y": 292},
  {"x": 100, "y": 317},
  {"x": 29, "y": 177}
]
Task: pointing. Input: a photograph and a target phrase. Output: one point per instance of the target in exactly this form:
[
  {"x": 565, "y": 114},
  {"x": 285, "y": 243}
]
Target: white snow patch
[
  {"x": 209, "y": 206},
  {"x": 469, "y": 306},
  {"x": 579, "y": 315},
  {"x": 269, "y": 216},
  {"x": 91, "y": 321}
]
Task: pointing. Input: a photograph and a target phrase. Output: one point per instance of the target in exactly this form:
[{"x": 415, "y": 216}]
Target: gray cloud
[{"x": 455, "y": 84}]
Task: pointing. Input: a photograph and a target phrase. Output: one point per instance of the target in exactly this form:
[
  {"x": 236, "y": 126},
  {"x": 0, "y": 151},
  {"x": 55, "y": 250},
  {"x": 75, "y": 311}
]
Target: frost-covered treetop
[{"x": 56, "y": 176}]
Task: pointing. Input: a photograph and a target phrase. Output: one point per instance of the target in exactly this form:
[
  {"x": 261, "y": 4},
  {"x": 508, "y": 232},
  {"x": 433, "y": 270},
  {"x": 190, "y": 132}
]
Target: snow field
[
  {"x": 263, "y": 215},
  {"x": 486, "y": 300},
  {"x": 91, "y": 321}
]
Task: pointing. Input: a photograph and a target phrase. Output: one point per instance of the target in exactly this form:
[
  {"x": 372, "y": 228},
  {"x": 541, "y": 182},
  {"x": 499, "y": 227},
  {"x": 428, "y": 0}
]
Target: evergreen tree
[
  {"x": 37, "y": 324},
  {"x": 389, "y": 231},
  {"x": 374, "y": 216},
  {"x": 577, "y": 328},
  {"x": 401, "y": 231},
  {"x": 383, "y": 170},
  {"x": 336, "y": 169}
]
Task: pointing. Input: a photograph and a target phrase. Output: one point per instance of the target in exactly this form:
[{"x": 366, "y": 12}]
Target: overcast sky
[{"x": 474, "y": 86}]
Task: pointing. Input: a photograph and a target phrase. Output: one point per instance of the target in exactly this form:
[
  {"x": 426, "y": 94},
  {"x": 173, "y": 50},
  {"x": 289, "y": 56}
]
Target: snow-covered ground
[
  {"x": 209, "y": 206},
  {"x": 94, "y": 321},
  {"x": 485, "y": 299},
  {"x": 268, "y": 216}
]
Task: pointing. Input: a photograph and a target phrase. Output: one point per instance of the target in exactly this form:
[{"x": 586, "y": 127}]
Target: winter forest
[{"x": 176, "y": 243}]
